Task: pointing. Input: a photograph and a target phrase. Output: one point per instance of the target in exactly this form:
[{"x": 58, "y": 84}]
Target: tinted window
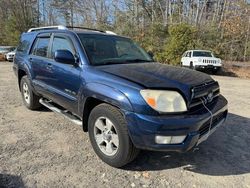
[
  {"x": 41, "y": 47},
  {"x": 60, "y": 43},
  {"x": 202, "y": 54},
  {"x": 23, "y": 46},
  {"x": 25, "y": 42},
  {"x": 105, "y": 49}
]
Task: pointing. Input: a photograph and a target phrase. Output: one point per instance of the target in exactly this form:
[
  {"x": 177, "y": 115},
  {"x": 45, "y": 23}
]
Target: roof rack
[
  {"x": 47, "y": 28},
  {"x": 110, "y": 32},
  {"x": 84, "y": 28},
  {"x": 90, "y": 29},
  {"x": 61, "y": 27}
]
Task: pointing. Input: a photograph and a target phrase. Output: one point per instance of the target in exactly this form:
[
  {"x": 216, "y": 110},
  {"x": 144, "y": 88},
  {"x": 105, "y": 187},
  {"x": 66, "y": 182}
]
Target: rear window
[{"x": 41, "y": 47}]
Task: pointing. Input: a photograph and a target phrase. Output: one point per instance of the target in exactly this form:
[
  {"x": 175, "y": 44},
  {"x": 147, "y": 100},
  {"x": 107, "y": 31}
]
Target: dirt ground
[
  {"x": 236, "y": 69},
  {"x": 42, "y": 149}
]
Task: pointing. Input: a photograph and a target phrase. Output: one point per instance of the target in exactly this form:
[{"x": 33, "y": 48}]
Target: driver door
[{"x": 64, "y": 78}]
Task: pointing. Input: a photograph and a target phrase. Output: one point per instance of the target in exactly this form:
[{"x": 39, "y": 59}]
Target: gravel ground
[{"x": 41, "y": 149}]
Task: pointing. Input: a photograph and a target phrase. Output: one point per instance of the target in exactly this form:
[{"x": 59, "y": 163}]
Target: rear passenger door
[
  {"x": 64, "y": 79},
  {"x": 38, "y": 60}
]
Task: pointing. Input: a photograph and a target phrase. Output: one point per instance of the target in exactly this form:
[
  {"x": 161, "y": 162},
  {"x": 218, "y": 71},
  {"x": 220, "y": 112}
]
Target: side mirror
[
  {"x": 151, "y": 54},
  {"x": 64, "y": 56}
]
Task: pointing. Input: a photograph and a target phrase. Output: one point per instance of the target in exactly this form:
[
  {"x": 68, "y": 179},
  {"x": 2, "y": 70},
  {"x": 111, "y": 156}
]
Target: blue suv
[{"x": 116, "y": 91}]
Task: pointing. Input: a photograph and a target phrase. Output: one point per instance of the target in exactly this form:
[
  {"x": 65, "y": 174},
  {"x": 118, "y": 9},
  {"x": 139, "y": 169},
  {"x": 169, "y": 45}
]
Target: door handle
[
  {"x": 31, "y": 59},
  {"x": 49, "y": 66}
]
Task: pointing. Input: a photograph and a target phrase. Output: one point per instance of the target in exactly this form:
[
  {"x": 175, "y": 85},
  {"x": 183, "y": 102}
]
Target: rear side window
[
  {"x": 61, "y": 43},
  {"x": 25, "y": 43},
  {"x": 41, "y": 47}
]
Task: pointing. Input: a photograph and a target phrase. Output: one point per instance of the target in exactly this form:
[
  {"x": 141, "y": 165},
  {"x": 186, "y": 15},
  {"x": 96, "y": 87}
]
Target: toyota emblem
[{"x": 210, "y": 97}]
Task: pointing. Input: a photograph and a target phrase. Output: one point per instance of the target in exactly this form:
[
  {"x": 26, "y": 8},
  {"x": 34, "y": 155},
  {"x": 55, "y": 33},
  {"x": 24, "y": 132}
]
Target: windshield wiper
[
  {"x": 122, "y": 62},
  {"x": 108, "y": 63},
  {"x": 138, "y": 60}
]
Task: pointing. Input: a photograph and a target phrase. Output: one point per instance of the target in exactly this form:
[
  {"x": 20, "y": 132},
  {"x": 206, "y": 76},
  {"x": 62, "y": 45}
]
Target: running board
[{"x": 64, "y": 113}]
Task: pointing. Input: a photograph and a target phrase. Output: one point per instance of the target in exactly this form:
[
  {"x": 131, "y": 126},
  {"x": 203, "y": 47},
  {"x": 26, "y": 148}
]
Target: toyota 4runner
[{"x": 116, "y": 91}]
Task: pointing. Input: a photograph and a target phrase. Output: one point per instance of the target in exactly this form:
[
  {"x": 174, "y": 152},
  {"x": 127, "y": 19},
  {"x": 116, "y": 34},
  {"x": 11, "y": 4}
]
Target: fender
[
  {"x": 26, "y": 67},
  {"x": 104, "y": 93}
]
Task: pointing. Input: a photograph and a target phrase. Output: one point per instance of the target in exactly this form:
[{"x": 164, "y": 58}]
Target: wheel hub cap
[
  {"x": 106, "y": 136},
  {"x": 26, "y": 93}
]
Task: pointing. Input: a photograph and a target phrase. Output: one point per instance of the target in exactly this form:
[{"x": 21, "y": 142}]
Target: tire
[
  {"x": 216, "y": 71},
  {"x": 105, "y": 116},
  {"x": 191, "y": 66},
  {"x": 30, "y": 99}
]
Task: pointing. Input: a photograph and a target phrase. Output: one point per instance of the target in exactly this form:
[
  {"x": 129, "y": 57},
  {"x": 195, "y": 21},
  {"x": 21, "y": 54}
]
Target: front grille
[
  {"x": 209, "y": 61},
  {"x": 216, "y": 119},
  {"x": 200, "y": 93}
]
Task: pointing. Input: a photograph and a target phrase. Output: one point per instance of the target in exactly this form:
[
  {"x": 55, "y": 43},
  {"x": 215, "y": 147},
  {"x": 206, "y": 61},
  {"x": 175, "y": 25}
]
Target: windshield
[
  {"x": 202, "y": 54},
  {"x": 7, "y": 49},
  {"x": 105, "y": 50}
]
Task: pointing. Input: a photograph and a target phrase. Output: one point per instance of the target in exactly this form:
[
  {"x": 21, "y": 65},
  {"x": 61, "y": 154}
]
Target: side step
[{"x": 62, "y": 112}]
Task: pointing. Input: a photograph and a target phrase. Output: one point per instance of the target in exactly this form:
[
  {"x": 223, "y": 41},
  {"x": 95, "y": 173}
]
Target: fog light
[
  {"x": 169, "y": 139},
  {"x": 177, "y": 139},
  {"x": 163, "y": 139}
]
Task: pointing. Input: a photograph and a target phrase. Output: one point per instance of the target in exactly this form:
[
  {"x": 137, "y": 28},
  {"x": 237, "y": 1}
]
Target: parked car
[
  {"x": 4, "y": 50},
  {"x": 112, "y": 88},
  {"x": 10, "y": 56},
  {"x": 201, "y": 60}
]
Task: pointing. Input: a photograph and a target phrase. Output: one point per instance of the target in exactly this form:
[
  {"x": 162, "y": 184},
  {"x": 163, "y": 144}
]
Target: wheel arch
[
  {"x": 21, "y": 73},
  {"x": 99, "y": 93}
]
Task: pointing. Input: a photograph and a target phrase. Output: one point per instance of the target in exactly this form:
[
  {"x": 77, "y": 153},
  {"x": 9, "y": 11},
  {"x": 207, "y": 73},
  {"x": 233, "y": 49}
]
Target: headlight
[
  {"x": 199, "y": 59},
  {"x": 164, "y": 101}
]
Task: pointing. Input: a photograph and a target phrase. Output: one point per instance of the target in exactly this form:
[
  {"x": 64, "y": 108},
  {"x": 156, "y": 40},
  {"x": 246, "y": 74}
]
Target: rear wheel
[
  {"x": 30, "y": 99},
  {"x": 109, "y": 136}
]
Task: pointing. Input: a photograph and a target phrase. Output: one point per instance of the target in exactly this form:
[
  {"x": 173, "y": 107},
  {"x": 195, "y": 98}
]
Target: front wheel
[
  {"x": 30, "y": 99},
  {"x": 216, "y": 71},
  {"x": 109, "y": 136},
  {"x": 192, "y": 66}
]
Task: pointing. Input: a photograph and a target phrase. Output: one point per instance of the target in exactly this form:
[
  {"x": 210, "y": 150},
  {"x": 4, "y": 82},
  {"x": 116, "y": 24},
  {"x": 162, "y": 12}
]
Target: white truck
[{"x": 201, "y": 60}]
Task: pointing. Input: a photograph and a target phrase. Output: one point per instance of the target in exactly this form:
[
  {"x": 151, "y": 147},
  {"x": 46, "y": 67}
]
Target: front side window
[
  {"x": 61, "y": 43},
  {"x": 188, "y": 54},
  {"x": 41, "y": 47},
  {"x": 105, "y": 49}
]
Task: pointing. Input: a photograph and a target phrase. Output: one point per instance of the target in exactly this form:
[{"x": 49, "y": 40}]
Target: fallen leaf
[{"x": 145, "y": 174}]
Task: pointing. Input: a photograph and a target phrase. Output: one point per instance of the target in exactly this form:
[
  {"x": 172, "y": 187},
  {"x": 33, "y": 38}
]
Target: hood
[
  {"x": 11, "y": 53},
  {"x": 157, "y": 75}
]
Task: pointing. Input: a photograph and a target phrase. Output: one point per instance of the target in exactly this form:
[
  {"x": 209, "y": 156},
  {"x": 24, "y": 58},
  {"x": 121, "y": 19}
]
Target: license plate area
[
  {"x": 210, "y": 66},
  {"x": 205, "y": 136}
]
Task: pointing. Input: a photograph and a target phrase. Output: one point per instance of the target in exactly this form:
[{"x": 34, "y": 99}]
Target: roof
[{"x": 200, "y": 50}]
